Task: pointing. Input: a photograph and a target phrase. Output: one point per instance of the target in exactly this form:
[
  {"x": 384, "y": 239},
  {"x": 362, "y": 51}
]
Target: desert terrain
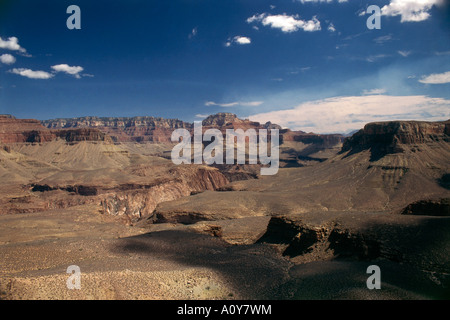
[{"x": 104, "y": 195}]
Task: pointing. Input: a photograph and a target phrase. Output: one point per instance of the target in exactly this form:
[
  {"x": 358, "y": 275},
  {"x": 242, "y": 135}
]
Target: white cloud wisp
[
  {"x": 436, "y": 78},
  {"x": 28, "y": 73},
  {"x": 286, "y": 23},
  {"x": 74, "y": 71}
]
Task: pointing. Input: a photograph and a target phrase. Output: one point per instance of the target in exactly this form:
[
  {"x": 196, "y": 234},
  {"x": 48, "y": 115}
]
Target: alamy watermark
[
  {"x": 74, "y": 281},
  {"x": 235, "y": 145},
  {"x": 374, "y": 281},
  {"x": 374, "y": 21},
  {"x": 74, "y": 21}
]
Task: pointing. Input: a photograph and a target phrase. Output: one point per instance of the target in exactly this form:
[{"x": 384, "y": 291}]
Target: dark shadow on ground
[
  {"x": 253, "y": 270},
  {"x": 444, "y": 181},
  {"x": 339, "y": 279},
  {"x": 413, "y": 260}
]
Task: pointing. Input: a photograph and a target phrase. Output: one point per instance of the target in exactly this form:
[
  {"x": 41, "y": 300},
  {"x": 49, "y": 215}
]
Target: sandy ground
[
  {"x": 176, "y": 262},
  {"x": 122, "y": 262}
]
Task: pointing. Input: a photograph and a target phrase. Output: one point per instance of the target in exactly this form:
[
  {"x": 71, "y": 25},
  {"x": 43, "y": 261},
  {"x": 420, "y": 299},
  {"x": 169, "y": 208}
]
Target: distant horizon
[{"x": 350, "y": 132}]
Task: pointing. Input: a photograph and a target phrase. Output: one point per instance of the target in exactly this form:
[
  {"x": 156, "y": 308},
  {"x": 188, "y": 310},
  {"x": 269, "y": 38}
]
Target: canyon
[{"x": 103, "y": 193}]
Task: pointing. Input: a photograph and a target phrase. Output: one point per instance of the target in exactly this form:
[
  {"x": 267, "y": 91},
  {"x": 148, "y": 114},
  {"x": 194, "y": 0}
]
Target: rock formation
[
  {"x": 153, "y": 129},
  {"x": 365, "y": 177},
  {"x": 123, "y": 129},
  {"x": 137, "y": 203},
  {"x": 388, "y": 137},
  {"x": 419, "y": 241},
  {"x": 14, "y": 130},
  {"x": 436, "y": 207},
  {"x": 85, "y": 134}
]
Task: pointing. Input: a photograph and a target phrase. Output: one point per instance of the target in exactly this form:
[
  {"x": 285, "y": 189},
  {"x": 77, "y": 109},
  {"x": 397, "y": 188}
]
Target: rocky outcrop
[
  {"x": 270, "y": 125},
  {"x": 128, "y": 201},
  {"x": 422, "y": 242},
  {"x": 438, "y": 207},
  {"x": 136, "y": 204},
  {"x": 225, "y": 120},
  {"x": 14, "y": 130},
  {"x": 321, "y": 141},
  {"x": 76, "y": 189},
  {"x": 139, "y": 202},
  {"x": 115, "y": 122},
  {"x": 85, "y": 134},
  {"x": 390, "y": 137},
  {"x": 222, "y": 119},
  {"x": 122, "y": 129}
]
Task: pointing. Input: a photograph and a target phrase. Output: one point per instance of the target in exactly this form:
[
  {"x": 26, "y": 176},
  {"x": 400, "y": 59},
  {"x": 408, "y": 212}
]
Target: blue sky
[{"x": 306, "y": 64}]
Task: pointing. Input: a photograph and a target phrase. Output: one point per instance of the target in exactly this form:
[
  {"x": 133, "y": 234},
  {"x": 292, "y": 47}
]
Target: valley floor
[{"x": 171, "y": 262}]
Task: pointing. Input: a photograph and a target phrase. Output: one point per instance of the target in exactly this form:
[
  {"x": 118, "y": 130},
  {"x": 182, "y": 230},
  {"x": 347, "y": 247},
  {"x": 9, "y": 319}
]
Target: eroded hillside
[{"x": 141, "y": 227}]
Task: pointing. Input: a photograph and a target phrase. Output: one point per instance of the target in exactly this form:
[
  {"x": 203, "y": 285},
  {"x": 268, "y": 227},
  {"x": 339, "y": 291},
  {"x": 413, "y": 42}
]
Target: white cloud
[
  {"x": 286, "y": 23},
  {"x": 202, "y": 116},
  {"x": 251, "y": 103},
  {"x": 376, "y": 57},
  {"x": 410, "y": 10},
  {"x": 7, "y": 59},
  {"x": 242, "y": 40},
  {"x": 305, "y": 69},
  {"x": 31, "y": 74},
  {"x": 383, "y": 39},
  {"x": 256, "y": 17},
  {"x": 225, "y": 105},
  {"x": 374, "y": 91},
  {"x": 345, "y": 114},
  {"x": 404, "y": 53},
  {"x": 233, "y": 104},
  {"x": 193, "y": 33},
  {"x": 327, "y": 1},
  {"x": 442, "y": 53},
  {"x": 436, "y": 78},
  {"x": 361, "y": 13},
  {"x": 74, "y": 71},
  {"x": 239, "y": 40},
  {"x": 12, "y": 43},
  {"x": 331, "y": 28}
]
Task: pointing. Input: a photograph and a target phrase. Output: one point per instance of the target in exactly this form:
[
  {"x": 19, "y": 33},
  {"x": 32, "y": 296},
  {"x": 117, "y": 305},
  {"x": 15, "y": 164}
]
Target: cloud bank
[
  {"x": 345, "y": 114},
  {"x": 410, "y": 10}
]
